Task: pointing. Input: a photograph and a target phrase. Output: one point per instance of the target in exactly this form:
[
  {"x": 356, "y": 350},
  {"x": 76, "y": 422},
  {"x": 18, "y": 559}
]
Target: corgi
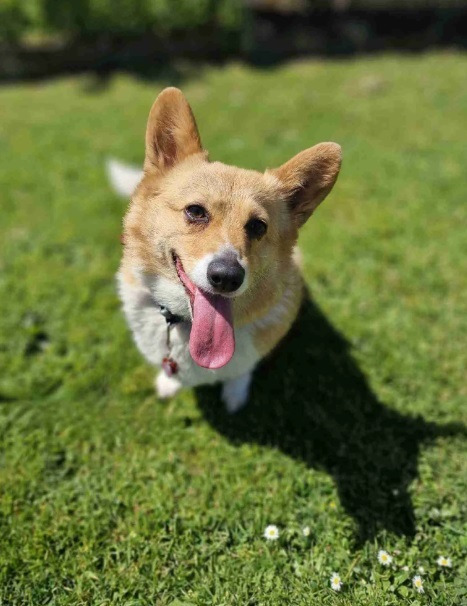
[{"x": 209, "y": 278}]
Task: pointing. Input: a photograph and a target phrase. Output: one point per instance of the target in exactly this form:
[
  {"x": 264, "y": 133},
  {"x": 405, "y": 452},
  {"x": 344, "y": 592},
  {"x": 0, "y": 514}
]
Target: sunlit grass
[{"x": 110, "y": 497}]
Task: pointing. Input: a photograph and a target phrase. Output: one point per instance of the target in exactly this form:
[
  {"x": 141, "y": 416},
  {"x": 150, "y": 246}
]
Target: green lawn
[{"x": 356, "y": 426}]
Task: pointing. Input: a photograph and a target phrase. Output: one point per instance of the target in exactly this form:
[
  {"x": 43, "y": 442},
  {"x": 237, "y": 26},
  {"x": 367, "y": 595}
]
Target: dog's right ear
[{"x": 171, "y": 132}]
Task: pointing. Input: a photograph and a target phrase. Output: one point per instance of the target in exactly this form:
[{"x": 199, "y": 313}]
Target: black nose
[{"x": 225, "y": 275}]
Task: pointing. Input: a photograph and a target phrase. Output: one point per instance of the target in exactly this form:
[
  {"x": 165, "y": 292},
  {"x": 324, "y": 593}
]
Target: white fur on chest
[{"x": 149, "y": 330}]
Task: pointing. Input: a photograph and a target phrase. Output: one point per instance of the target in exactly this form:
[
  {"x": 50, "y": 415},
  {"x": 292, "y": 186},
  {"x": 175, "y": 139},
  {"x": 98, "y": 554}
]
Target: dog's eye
[
  {"x": 256, "y": 228},
  {"x": 196, "y": 214}
]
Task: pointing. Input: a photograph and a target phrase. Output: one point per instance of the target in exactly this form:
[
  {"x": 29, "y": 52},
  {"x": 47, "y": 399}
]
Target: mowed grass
[{"x": 356, "y": 426}]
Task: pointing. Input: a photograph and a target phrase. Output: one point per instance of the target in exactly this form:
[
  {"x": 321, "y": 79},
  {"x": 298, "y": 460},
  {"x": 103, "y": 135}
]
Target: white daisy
[
  {"x": 336, "y": 582},
  {"x": 271, "y": 532},
  {"x": 418, "y": 583},
  {"x": 444, "y": 562},
  {"x": 384, "y": 558},
  {"x": 421, "y": 570},
  {"x": 405, "y": 568},
  {"x": 306, "y": 531}
]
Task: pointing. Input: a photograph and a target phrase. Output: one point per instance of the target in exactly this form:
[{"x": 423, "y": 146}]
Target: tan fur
[
  {"x": 177, "y": 173},
  {"x": 270, "y": 332}
]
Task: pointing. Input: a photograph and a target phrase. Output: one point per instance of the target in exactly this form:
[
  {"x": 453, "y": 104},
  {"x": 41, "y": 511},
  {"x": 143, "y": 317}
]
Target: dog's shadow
[{"x": 311, "y": 401}]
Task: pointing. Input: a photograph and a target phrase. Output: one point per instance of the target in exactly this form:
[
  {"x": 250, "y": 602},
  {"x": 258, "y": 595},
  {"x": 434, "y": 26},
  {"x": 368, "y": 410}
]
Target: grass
[{"x": 356, "y": 426}]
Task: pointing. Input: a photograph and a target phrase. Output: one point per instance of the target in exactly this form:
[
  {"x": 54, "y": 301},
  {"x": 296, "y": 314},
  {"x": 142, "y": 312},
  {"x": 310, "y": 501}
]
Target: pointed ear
[
  {"x": 171, "y": 132},
  {"x": 308, "y": 178}
]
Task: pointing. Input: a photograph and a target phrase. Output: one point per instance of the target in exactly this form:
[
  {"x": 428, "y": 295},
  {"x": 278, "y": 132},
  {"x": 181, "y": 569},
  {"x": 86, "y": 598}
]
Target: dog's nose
[{"x": 225, "y": 275}]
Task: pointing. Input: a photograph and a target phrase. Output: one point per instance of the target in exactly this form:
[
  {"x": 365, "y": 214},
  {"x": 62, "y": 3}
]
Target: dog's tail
[{"x": 123, "y": 178}]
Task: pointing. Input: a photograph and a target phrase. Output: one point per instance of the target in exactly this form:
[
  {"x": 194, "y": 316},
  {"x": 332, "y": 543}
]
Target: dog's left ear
[
  {"x": 308, "y": 178},
  {"x": 171, "y": 132}
]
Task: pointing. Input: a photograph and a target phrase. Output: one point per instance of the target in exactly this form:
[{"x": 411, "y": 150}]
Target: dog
[{"x": 209, "y": 278}]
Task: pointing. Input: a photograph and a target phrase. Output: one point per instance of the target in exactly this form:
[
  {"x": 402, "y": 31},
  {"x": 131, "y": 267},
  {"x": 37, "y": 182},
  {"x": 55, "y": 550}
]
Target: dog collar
[
  {"x": 169, "y": 365},
  {"x": 170, "y": 318}
]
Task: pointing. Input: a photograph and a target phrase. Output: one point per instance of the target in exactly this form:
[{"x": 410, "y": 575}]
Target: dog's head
[{"x": 203, "y": 234}]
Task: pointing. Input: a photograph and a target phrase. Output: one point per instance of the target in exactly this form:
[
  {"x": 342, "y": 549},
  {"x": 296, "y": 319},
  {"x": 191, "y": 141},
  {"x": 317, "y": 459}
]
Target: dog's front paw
[
  {"x": 235, "y": 392},
  {"x": 166, "y": 387}
]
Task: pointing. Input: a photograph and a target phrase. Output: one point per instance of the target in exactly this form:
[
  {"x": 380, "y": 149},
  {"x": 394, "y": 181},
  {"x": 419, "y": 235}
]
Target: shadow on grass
[{"x": 311, "y": 401}]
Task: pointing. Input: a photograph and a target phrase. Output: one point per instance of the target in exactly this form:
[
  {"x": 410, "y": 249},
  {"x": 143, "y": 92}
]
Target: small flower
[
  {"x": 418, "y": 583},
  {"x": 421, "y": 570},
  {"x": 444, "y": 562},
  {"x": 405, "y": 568},
  {"x": 271, "y": 532},
  {"x": 306, "y": 531},
  {"x": 384, "y": 558},
  {"x": 336, "y": 582}
]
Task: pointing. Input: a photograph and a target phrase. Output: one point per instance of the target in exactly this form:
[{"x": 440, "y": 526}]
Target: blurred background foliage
[
  {"x": 20, "y": 18},
  {"x": 40, "y": 38},
  {"x": 127, "y": 17}
]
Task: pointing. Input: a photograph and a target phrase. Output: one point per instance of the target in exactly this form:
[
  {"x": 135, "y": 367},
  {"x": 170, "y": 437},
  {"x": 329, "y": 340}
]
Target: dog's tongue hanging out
[{"x": 212, "y": 341}]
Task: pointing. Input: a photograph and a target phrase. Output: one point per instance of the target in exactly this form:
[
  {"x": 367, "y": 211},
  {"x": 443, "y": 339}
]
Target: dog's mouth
[{"x": 212, "y": 340}]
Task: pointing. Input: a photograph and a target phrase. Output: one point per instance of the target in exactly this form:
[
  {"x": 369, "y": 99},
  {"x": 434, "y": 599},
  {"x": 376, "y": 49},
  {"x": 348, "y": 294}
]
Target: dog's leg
[
  {"x": 166, "y": 387},
  {"x": 235, "y": 392}
]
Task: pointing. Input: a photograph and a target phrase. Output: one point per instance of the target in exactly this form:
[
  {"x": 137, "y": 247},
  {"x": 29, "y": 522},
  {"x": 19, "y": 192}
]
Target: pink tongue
[{"x": 212, "y": 341}]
